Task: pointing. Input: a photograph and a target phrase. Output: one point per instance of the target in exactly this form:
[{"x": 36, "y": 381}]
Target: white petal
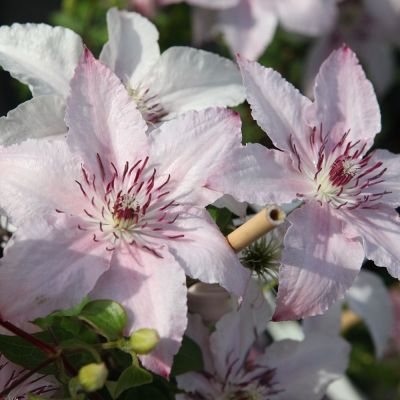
[
  {"x": 40, "y": 56},
  {"x": 237, "y": 331},
  {"x": 369, "y": 298},
  {"x": 153, "y": 292},
  {"x": 132, "y": 46},
  {"x": 40, "y": 117},
  {"x": 46, "y": 269},
  {"x": 249, "y": 27},
  {"x": 189, "y": 79},
  {"x": 303, "y": 370},
  {"x": 308, "y": 17}
]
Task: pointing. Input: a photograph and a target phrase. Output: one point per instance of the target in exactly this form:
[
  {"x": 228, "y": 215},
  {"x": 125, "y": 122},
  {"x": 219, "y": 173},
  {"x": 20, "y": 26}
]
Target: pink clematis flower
[
  {"x": 371, "y": 28},
  {"x": 115, "y": 213},
  {"x": 163, "y": 85},
  {"x": 349, "y": 195},
  {"x": 37, "y": 384},
  {"x": 236, "y": 367},
  {"x": 248, "y": 26}
]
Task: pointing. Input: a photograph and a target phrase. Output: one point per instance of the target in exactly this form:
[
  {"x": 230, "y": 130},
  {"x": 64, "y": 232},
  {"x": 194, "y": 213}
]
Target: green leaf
[
  {"x": 189, "y": 358},
  {"x": 106, "y": 316},
  {"x": 48, "y": 321},
  {"x": 35, "y": 397},
  {"x": 132, "y": 377},
  {"x": 23, "y": 353}
]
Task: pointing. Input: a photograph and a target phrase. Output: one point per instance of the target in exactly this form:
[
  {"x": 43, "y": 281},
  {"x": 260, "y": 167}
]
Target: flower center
[
  {"x": 343, "y": 175},
  {"x": 148, "y": 104},
  {"x": 131, "y": 207}
]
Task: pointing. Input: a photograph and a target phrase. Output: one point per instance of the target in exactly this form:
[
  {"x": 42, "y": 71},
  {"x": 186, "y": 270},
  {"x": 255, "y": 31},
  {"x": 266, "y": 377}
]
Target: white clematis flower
[{"x": 162, "y": 85}]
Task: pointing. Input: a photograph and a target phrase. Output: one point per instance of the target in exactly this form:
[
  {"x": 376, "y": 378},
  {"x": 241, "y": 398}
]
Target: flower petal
[
  {"x": 237, "y": 331},
  {"x": 34, "y": 185},
  {"x": 200, "y": 334},
  {"x": 345, "y": 100},
  {"x": 205, "y": 254},
  {"x": 153, "y": 292},
  {"x": 369, "y": 298},
  {"x": 40, "y": 56},
  {"x": 102, "y": 118},
  {"x": 187, "y": 79},
  {"x": 303, "y": 370},
  {"x": 192, "y": 148},
  {"x": 307, "y": 17},
  {"x": 40, "y": 117},
  {"x": 132, "y": 46},
  {"x": 249, "y": 27},
  {"x": 276, "y": 106},
  {"x": 193, "y": 382},
  {"x": 389, "y": 183},
  {"x": 261, "y": 176},
  {"x": 50, "y": 268},
  {"x": 319, "y": 263},
  {"x": 380, "y": 230}
]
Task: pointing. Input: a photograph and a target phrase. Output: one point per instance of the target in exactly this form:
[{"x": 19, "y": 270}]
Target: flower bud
[
  {"x": 144, "y": 340},
  {"x": 92, "y": 376}
]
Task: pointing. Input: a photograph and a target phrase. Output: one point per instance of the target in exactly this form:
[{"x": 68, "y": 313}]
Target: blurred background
[{"x": 378, "y": 379}]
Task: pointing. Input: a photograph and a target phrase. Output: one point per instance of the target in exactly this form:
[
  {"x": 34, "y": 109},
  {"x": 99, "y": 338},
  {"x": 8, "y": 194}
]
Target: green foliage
[
  {"x": 189, "y": 358},
  {"x": 131, "y": 377},
  {"x": 107, "y": 317}
]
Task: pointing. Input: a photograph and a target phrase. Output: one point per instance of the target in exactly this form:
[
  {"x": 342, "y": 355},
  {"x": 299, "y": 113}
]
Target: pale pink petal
[
  {"x": 44, "y": 262},
  {"x": 307, "y": 17},
  {"x": 181, "y": 148},
  {"x": 35, "y": 185},
  {"x": 193, "y": 382},
  {"x": 153, "y": 292},
  {"x": 204, "y": 25},
  {"x": 132, "y": 46},
  {"x": 328, "y": 324},
  {"x": 261, "y": 176},
  {"x": 205, "y": 254},
  {"x": 380, "y": 230},
  {"x": 276, "y": 106},
  {"x": 345, "y": 100},
  {"x": 40, "y": 117},
  {"x": 237, "y": 331},
  {"x": 41, "y": 56},
  {"x": 303, "y": 370},
  {"x": 200, "y": 334},
  {"x": 218, "y": 4},
  {"x": 378, "y": 56},
  {"x": 102, "y": 118},
  {"x": 40, "y": 385},
  {"x": 248, "y": 28},
  {"x": 229, "y": 202},
  {"x": 319, "y": 263},
  {"x": 369, "y": 298},
  {"x": 187, "y": 79}
]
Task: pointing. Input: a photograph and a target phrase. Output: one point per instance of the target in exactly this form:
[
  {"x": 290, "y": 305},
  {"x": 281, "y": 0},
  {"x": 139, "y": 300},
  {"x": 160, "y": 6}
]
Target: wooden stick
[{"x": 263, "y": 222}]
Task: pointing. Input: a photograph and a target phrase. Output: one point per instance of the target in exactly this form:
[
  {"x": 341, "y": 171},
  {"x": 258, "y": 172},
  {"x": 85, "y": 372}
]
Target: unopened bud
[
  {"x": 144, "y": 340},
  {"x": 92, "y": 376}
]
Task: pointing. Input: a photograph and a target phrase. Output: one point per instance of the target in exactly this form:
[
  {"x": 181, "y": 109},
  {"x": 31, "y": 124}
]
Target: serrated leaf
[
  {"x": 189, "y": 358},
  {"x": 132, "y": 377},
  {"x": 107, "y": 317}
]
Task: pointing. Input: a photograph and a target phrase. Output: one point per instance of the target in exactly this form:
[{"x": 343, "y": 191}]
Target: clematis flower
[
  {"x": 117, "y": 214},
  {"x": 248, "y": 26},
  {"x": 163, "y": 85},
  {"x": 37, "y": 384},
  {"x": 349, "y": 195},
  {"x": 236, "y": 368},
  {"x": 371, "y": 28}
]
